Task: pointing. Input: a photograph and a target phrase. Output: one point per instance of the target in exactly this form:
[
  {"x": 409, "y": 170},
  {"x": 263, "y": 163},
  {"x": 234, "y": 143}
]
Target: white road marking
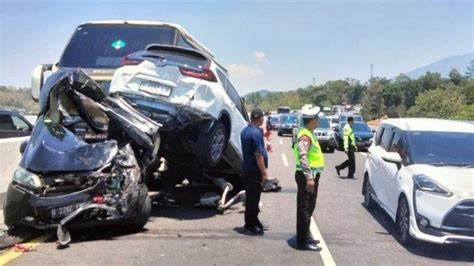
[
  {"x": 285, "y": 161},
  {"x": 325, "y": 254},
  {"x": 281, "y": 141}
]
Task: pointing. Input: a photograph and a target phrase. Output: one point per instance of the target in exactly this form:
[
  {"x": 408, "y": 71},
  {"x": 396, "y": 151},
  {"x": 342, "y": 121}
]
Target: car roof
[
  {"x": 178, "y": 27},
  {"x": 9, "y": 112},
  {"x": 431, "y": 124}
]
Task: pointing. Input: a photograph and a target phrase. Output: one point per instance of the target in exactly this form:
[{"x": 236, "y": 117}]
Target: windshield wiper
[{"x": 453, "y": 164}]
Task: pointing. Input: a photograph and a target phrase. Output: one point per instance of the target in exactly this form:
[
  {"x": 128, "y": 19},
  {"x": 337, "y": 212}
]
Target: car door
[
  {"x": 385, "y": 168},
  {"x": 392, "y": 173},
  {"x": 7, "y": 128},
  {"x": 374, "y": 157}
]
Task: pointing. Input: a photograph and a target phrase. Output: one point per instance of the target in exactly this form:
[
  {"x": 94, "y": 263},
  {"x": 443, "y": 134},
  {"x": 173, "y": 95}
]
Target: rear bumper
[{"x": 286, "y": 130}]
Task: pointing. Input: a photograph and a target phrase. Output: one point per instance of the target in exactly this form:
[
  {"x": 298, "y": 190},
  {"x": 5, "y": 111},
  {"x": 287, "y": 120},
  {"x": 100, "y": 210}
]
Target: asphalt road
[{"x": 189, "y": 235}]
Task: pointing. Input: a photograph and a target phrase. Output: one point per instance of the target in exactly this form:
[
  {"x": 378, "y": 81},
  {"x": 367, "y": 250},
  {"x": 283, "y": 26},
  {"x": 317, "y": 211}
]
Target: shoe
[
  {"x": 310, "y": 246},
  {"x": 264, "y": 227},
  {"x": 314, "y": 241},
  {"x": 253, "y": 231},
  {"x": 350, "y": 177},
  {"x": 337, "y": 171}
]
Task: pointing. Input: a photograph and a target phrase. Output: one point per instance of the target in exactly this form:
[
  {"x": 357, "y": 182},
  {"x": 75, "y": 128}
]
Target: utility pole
[
  {"x": 314, "y": 81},
  {"x": 371, "y": 71}
]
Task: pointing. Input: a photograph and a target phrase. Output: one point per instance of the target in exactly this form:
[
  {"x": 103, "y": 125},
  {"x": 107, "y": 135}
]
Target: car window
[
  {"x": 6, "y": 123},
  {"x": 104, "y": 46},
  {"x": 387, "y": 138},
  {"x": 19, "y": 123},
  {"x": 233, "y": 94},
  {"x": 398, "y": 146},
  {"x": 378, "y": 135}
]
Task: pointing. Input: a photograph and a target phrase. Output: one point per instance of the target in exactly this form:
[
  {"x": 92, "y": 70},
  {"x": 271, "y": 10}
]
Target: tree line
[{"x": 430, "y": 96}]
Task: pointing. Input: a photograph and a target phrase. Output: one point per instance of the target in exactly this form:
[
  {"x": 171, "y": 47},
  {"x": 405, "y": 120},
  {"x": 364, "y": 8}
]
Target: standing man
[
  {"x": 254, "y": 167},
  {"x": 309, "y": 166},
  {"x": 349, "y": 147}
]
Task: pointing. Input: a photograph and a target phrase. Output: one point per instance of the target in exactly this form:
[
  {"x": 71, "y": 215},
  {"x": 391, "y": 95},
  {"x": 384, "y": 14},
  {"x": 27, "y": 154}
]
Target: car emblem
[{"x": 160, "y": 61}]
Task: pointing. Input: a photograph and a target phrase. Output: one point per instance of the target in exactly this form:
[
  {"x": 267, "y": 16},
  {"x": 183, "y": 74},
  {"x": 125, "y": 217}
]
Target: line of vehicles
[{"x": 329, "y": 132}]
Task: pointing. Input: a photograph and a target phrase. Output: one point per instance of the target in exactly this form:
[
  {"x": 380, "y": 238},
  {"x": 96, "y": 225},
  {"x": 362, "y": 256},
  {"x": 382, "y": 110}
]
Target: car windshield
[
  {"x": 357, "y": 118},
  {"x": 334, "y": 120},
  {"x": 275, "y": 119},
  {"x": 324, "y": 123},
  {"x": 290, "y": 119},
  {"x": 359, "y": 127},
  {"x": 441, "y": 148},
  {"x": 104, "y": 46},
  {"x": 283, "y": 110}
]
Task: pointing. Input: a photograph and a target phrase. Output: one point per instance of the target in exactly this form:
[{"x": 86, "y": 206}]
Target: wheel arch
[{"x": 224, "y": 118}]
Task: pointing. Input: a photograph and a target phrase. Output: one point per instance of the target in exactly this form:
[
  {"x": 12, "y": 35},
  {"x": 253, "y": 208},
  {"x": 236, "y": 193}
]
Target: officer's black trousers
[
  {"x": 253, "y": 190},
  {"x": 350, "y": 162},
  {"x": 305, "y": 204}
]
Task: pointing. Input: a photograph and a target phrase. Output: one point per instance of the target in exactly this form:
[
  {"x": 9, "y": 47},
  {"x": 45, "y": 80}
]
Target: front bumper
[
  {"x": 286, "y": 130},
  {"x": 363, "y": 145},
  {"x": 438, "y": 236},
  {"x": 327, "y": 142},
  {"x": 25, "y": 208}
]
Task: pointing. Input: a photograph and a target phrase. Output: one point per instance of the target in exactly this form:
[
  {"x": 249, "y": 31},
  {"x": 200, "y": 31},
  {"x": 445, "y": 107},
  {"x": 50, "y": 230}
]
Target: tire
[
  {"x": 369, "y": 202},
  {"x": 403, "y": 222},
  {"x": 280, "y": 134},
  {"x": 144, "y": 210},
  {"x": 213, "y": 144},
  {"x": 331, "y": 150}
]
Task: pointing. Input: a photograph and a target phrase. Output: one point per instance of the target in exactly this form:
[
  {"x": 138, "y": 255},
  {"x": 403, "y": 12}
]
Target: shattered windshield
[{"x": 104, "y": 46}]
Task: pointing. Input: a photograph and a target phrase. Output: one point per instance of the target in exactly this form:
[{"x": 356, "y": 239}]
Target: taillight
[
  {"x": 126, "y": 61},
  {"x": 205, "y": 74}
]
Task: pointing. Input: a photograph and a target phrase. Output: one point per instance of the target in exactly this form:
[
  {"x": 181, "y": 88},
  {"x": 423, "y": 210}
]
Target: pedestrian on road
[
  {"x": 254, "y": 168},
  {"x": 309, "y": 166},
  {"x": 349, "y": 147}
]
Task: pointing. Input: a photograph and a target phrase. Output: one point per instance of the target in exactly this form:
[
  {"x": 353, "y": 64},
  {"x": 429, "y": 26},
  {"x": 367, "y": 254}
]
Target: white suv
[
  {"x": 421, "y": 172},
  {"x": 191, "y": 96}
]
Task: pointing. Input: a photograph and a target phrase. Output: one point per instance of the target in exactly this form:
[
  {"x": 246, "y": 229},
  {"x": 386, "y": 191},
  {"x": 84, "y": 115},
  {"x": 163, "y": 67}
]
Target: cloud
[
  {"x": 260, "y": 56},
  {"x": 248, "y": 76}
]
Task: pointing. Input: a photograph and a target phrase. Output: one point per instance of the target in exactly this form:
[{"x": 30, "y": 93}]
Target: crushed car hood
[{"x": 53, "y": 148}]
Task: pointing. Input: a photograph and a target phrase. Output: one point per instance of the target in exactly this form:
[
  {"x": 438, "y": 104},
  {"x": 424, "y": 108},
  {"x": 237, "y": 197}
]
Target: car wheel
[
  {"x": 213, "y": 144},
  {"x": 331, "y": 150},
  {"x": 369, "y": 202},
  {"x": 403, "y": 222},
  {"x": 143, "y": 209},
  {"x": 280, "y": 134}
]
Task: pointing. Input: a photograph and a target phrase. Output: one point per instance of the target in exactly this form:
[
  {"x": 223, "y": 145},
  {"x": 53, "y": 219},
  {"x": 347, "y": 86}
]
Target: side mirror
[
  {"x": 393, "y": 157},
  {"x": 37, "y": 79}
]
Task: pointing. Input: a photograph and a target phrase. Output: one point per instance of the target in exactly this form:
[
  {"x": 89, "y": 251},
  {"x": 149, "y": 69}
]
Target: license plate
[
  {"x": 155, "y": 88},
  {"x": 64, "y": 211}
]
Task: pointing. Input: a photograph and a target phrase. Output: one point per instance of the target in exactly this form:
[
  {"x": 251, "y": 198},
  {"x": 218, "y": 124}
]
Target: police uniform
[
  {"x": 309, "y": 165},
  {"x": 350, "y": 148}
]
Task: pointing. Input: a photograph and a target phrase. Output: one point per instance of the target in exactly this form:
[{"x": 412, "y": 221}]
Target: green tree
[
  {"x": 437, "y": 103},
  {"x": 373, "y": 102},
  {"x": 470, "y": 69},
  {"x": 455, "y": 76}
]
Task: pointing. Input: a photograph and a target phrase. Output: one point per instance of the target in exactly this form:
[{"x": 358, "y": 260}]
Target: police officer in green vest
[
  {"x": 349, "y": 147},
  {"x": 309, "y": 166}
]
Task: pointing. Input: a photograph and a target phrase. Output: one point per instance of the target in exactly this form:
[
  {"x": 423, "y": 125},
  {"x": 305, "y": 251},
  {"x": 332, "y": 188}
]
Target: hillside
[{"x": 444, "y": 66}]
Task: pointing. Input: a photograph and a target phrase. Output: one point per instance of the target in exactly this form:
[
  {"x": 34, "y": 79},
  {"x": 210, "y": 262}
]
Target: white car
[
  {"x": 191, "y": 96},
  {"x": 421, "y": 172}
]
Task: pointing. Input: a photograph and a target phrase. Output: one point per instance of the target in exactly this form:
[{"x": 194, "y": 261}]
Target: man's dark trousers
[
  {"x": 305, "y": 204},
  {"x": 253, "y": 190},
  {"x": 350, "y": 162}
]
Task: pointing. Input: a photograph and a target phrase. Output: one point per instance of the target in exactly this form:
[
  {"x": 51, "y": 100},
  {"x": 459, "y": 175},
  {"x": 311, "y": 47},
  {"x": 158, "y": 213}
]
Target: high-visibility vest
[
  {"x": 348, "y": 135},
  {"x": 315, "y": 154}
]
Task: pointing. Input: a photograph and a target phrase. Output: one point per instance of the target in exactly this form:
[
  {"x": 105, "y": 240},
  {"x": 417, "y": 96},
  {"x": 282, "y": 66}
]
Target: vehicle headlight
[
  {"x": 426, "y": 184},
  {"x": 26, "y": 179}
]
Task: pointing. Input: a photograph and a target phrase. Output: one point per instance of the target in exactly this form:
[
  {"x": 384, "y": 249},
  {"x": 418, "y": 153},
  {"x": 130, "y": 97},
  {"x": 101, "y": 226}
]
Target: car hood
[
  {"x": 459, "y": 180},
  {"x": 363, "y": 134}
]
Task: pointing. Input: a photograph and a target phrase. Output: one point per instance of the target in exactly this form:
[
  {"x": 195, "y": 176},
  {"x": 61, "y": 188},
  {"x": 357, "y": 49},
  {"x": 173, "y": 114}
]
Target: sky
[{"x": 275, "y": 45}]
